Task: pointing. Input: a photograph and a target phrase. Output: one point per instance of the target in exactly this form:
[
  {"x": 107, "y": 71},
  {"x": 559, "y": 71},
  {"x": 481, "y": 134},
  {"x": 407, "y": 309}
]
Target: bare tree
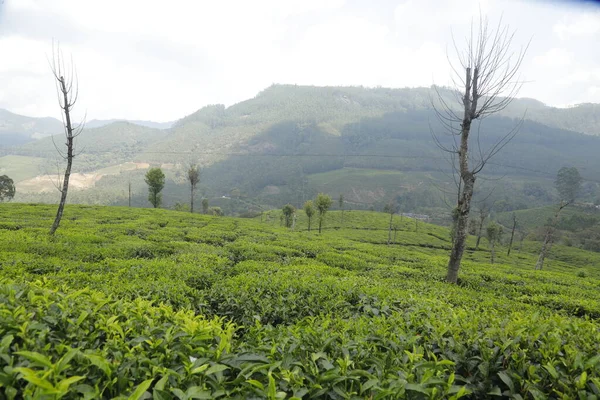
[
  {"x": 67, "y": 89},
  {"x": 483, "y": 210},
  {"x": 129, "y": 190},
  {"x": 341, "y": 203},
  {"x": 512, "y": 234},
  {"x": 193, "y": 174},
  {"x": 390, "y": 208},
  {"x": 493, "y": 233},
  {"x": 568, "y": 184},
  {"x": 485, "y": 82}
]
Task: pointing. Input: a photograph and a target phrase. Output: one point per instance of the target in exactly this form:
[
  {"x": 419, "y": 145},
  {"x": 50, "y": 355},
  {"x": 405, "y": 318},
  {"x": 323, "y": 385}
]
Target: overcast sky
[{"x": 161, "y": 60}]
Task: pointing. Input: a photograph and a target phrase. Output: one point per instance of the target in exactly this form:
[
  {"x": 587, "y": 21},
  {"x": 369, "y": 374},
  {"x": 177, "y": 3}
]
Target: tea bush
[{"x": 139, "y": 303}]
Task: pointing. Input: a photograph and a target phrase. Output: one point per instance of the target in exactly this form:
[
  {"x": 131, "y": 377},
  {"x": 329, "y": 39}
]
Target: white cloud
[
  {"x": 554, "y": 58},
  {"x": 587, "y": 24},
  {"x": 151, "y": 59}
]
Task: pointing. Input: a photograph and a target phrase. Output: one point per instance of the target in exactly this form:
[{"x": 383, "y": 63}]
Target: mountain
[
  {"x": 17, "y": 129},
  {"x": 584, "y": 118},
  {"x": 97, "y": 123},
  {"x": 371, "y": 144}
]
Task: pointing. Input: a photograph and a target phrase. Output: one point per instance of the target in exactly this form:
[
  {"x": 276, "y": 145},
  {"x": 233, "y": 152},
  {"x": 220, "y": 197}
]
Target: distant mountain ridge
[
  {"x": 17, "y": 129},
  {"x": 97, "y": 123}
]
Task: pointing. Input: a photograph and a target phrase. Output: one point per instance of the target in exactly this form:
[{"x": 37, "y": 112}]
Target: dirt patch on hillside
[{"x": 46, "y": 183}]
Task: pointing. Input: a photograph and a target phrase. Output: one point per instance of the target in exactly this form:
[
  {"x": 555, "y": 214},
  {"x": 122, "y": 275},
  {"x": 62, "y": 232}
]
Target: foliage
[
  {"x": 309, "y": 210},
  {"x": 193, "y": 176},
  {"x": 288, "y": 212},
  {"x": 493, "y": 231},
  {"x": 7, "y": 188},
  {"x": 568, "y": 184},
  {"x": 137, "y": 303},
  {"x": 217, "y": 211},
  {"x": 322, "y": 204},
  {"x": 155, "y": 179},
  {"x": 390, "y": 208}
]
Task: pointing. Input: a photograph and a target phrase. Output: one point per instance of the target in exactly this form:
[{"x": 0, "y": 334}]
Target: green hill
[
  {"x": 284, "y": 143},
  {"x": 141, "y": 303},
  {"x": 578, "y": 226}
]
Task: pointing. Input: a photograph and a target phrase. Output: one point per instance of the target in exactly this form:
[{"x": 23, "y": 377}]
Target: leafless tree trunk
[
  {"x": 129, "y": 190},
  {"x": 485, "y": 74},
  {"x": 390, "y": 229},
  {"x": 67, "y": 88},
  {"x": 484, "y": 211},
  {"x": 549, "y": 238},
  {"x": 512, "y": 234}
]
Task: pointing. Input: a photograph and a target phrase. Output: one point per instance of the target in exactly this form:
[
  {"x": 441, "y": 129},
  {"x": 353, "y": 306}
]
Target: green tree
[
  {"x": 216, "y": 211},
  {"x": 204, "y": 206},
  {"x": 568, "y": 184},
  {"x": 155, "y": 179},
  {"x": 193, "y": 175},
  {"x": 7, "y": 188},
  {"x": 288, "y": 212},
  {"x": 493, "y": 233},
  {"x": 309, "y": 209},
  {"x": 322, "y": 203}
]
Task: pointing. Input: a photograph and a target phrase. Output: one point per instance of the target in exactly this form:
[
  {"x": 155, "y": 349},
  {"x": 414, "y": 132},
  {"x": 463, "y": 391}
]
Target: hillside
[
  {"x": 283, "y": 144},
  {"x": 578, "y": 226},
  {"x": 153, "y": 303}
]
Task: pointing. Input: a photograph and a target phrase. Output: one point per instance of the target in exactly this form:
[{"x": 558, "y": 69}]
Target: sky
[{"x": 161, "y": 60}]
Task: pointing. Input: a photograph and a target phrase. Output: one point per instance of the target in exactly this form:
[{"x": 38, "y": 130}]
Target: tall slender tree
[
  {"x": 193, "y": 175},
  {"x": 512, "y": 234},
  {"x": 309, "y": 209},
  {"x": 390, "y": 208},
  {"x": 341, "y": 204},
  {"x": 568, "y": 185},
  {"x": 288, "y": 212},
  {"x": 493, "y": 233},
  {"x": 483, "y": 211},
  {"x": 67, "y": 89},
  {"x": 322, "y": 203},
  {"x": 155, "y": 179},
  {"x": 486, "y": 82}
]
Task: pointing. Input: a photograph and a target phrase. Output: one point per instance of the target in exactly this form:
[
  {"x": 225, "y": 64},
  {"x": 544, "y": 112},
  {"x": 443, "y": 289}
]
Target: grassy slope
[
  {"x": 20, "y": 168},
  {"x": 334, "y": 315}
]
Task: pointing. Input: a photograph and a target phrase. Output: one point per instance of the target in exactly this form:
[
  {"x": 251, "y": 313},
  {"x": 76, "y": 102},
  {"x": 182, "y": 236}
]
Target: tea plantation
[{"x": 140, "y": 303}]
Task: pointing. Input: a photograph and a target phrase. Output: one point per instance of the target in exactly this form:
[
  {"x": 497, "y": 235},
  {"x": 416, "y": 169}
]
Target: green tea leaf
[
  {"x": 215, "y": 368},
  {"x": 31, "y": 376},
  {"x": 140, "y": 390},
  {"x": 36, "y": 358}
]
